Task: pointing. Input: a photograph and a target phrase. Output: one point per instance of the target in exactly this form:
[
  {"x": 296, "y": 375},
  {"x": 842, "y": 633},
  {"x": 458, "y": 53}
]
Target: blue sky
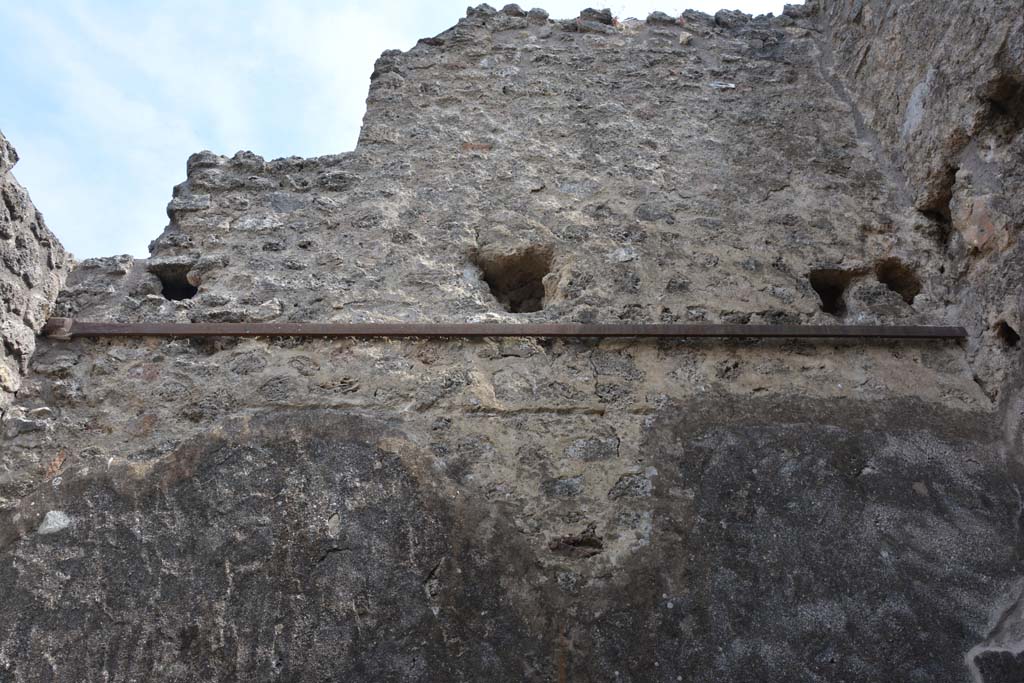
[{"x": 105, "y": 99}]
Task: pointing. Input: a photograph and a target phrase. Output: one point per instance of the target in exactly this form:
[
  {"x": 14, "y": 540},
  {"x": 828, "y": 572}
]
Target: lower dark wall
[{"x": 799, "y": 541}]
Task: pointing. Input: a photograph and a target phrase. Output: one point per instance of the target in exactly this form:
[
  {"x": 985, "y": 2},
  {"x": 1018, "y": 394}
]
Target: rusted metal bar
[{"x": 65, "y": 328}]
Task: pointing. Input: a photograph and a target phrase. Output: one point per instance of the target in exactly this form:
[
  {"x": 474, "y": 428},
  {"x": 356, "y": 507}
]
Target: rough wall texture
[
  {"x": 32, "y": 273},
  {"x": 942, "y": 84},
  {"x": 535, "y": 510}
]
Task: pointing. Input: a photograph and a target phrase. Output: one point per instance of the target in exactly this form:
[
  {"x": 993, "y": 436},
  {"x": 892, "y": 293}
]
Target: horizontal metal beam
[{"x": 66, "y": 328}]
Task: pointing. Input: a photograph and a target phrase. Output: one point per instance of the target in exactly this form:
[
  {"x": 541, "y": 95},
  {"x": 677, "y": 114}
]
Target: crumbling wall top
[{"x": 33, "y": 266}]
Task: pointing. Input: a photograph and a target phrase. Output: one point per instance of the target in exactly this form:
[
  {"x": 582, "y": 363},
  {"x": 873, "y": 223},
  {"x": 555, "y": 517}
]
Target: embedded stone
[
  {"x": 731, "y": 18},
  {"x": 660, "y": 19},
  {"x": 537, "y": 16},
  {"x": 631, "y": 486},
  {"x": 602, "y": 16},
  {"x": 53, "y": 522}
]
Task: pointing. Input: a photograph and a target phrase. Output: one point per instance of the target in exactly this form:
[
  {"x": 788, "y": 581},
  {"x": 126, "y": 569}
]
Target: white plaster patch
[
  {"x": 54, "y": 521},
  {"x": 622, "y": 255},
  {"x": 915, "y": 108}
]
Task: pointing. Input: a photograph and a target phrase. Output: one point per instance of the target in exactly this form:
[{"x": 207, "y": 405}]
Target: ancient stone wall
[
  {"x": 34, "y": 268},
  {"x": 547, "y": 510},
  {"x": 942, "y": 86}
]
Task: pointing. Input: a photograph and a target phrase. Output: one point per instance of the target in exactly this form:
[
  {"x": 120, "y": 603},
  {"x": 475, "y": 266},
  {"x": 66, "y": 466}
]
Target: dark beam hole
[
  {"x": 516, "y": 279},
  {"x": 1006, "y": 334},
  {"x": 1005, "y": 96},
  {"x": 174, "y": 281},
  {"x": 898, "y": 277},
  {"x": 830, "y": 285}
]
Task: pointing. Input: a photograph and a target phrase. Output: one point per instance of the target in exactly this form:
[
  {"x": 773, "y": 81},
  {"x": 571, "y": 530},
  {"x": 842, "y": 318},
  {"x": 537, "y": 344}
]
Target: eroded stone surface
[
  {"x": 942, "y": 87},
  {"x": 533, "y": 509},
  {"x": 34, "y": 266}
]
